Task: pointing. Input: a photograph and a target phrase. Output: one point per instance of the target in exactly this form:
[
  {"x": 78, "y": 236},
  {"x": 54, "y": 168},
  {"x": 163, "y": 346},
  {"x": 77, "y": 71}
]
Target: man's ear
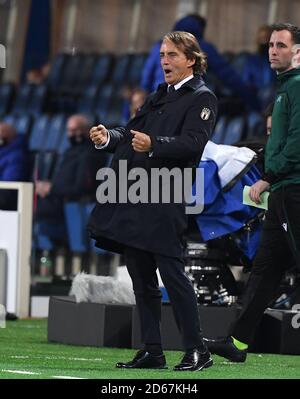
[
  {"x": 191, "y": 63},
  {"x": 296, "y": 56}
]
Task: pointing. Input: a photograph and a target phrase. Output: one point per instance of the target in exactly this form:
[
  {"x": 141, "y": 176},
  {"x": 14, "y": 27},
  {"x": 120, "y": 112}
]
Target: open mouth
[{"x": 167, "y": 71}]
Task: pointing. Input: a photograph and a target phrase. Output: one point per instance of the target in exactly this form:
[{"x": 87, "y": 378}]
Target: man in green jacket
[{"x": 280, "y": 241}]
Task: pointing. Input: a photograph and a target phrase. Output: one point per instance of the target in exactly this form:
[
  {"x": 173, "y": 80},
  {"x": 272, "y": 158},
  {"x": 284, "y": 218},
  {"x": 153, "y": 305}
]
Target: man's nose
[{"x": 273, "y": 50}]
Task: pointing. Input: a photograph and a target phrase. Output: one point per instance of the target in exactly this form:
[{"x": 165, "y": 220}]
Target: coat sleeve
[
  {"x": 196, "y": 131},
  {"x": 116, "y": 135}
]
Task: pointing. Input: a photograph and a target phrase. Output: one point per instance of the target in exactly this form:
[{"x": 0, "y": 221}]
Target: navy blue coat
[{"x": 179, "y": 134}]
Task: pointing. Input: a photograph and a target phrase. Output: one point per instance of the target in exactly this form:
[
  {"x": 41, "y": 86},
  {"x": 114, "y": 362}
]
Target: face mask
[{"x": 75, "y": 140}]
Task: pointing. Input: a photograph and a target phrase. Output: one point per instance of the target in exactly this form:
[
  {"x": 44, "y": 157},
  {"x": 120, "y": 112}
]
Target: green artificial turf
[{"x": 24, "y": 349}]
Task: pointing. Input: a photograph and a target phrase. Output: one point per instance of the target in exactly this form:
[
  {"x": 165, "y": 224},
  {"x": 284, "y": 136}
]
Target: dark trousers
[
  {"x": 279, "y": 249},
  {"x": 142, "y": 267}
]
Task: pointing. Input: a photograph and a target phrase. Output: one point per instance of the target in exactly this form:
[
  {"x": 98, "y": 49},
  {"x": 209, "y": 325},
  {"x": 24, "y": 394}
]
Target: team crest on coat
[{"x": 205, "y": 113}]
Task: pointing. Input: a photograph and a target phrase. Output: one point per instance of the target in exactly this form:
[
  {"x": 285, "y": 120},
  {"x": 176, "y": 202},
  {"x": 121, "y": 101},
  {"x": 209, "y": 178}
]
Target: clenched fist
[
  {"x": 141, "y": 142},
  {"x": 99, "y": 135}
]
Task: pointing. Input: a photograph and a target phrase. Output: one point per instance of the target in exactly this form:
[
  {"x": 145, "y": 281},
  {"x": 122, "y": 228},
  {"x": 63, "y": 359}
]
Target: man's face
[
  {"x": 280, "y": 51},
  {"x": 175, "y": 65},
  {"x": 75, "y": 130},
  {"x": 7, "y": 134}
]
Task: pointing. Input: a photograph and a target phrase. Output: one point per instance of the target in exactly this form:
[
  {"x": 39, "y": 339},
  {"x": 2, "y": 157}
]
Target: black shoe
[
  {"x": 144, "y": 360},
  {"x": 194, "y": 360},
  {"x": 224, "y": 347}
]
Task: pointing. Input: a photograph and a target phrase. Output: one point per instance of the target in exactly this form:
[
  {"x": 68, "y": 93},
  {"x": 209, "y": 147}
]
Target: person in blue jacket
[
  {"x": 152, "y": 74},
  {"x": 14, "y": 162},
  {"x": 257, "y": 72}
]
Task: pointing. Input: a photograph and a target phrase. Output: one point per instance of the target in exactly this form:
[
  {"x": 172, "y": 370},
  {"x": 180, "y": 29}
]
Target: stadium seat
[
  {"x": 56, "y": 71},
  {"x": 86, "y": 104},
  {"x": 39, "y": 133},
  {"x": 136, "y": 67},
  {"x": 113, "y": 117},
  {"x": 71, "y": 72},
  {"x": 86, "y": 70},
  {"x": 121, "y": 69},
  {"x": 23, "y": 124},
  {"x": 23, "y": 98},
  {"x": 56, "y": 128},
  {"x": 266, "y": 95},
  {"x": 219, "y": 131},
  {"x": 234, "y": 130},
  {"x": 255, "y": 125},
  {"x": 101, "y": 69},
  {"x": 104, "y": 98},
  {"x": 38, "y": 100},
  {"x": 76, "y": 219},
  {"x": 239, "y": 60}
]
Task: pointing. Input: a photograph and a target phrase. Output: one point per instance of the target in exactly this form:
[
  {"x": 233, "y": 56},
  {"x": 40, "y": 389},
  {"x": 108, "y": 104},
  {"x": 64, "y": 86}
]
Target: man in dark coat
[
  {"x": 169, "y": 131},
  {"x": 73, "y": 180}
]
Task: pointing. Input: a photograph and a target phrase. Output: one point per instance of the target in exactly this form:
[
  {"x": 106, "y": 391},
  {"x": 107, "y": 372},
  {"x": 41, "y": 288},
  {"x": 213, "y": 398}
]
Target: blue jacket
[
  {"x": 152, "y": 74},
  {"x": 257, "y": 72},
  {"x": 14, "y": 161}
]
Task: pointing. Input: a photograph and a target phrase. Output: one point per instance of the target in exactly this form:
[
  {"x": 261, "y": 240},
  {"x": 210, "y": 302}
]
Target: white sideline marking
[
  {"x": 20, "y": 372},
  {"x": 56, "y": 358},
  {"x": 67, "y": 377},
  {"x": 71, "y": 358},
  {"x": 64, "y": 377},
  {"x": 19, "y": 357},
  {"x": 83, "y": 359}
]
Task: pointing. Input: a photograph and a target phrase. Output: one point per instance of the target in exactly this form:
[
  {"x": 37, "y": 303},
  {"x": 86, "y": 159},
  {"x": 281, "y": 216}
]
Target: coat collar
[
  {"x": 282, "y": 77},
  {"x": 161, "y": 96}
]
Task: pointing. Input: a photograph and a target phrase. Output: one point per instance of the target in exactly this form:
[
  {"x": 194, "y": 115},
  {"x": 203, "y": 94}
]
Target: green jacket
[{"x": 282, "y": 156}]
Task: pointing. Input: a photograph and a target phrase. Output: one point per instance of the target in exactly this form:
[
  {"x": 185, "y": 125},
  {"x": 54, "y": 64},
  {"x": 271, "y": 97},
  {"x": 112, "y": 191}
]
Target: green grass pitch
[{"x": 25, "y": 353}]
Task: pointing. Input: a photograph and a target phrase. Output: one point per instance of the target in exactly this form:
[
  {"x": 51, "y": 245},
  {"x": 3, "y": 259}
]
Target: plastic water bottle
[
  {"x": 46, "y": 265},
  {"x": 2, "y": 316}
]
